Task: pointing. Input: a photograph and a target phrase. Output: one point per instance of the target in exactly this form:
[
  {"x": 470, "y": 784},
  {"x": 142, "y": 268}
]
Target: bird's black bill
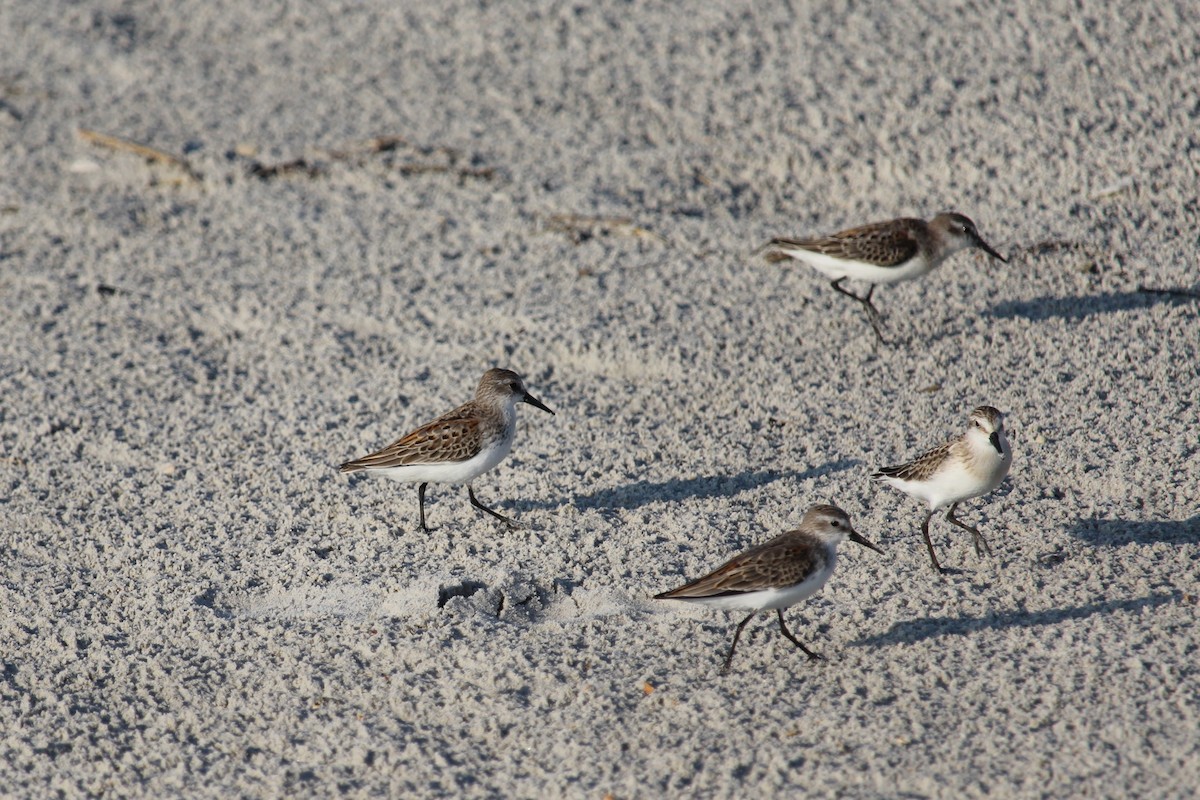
[
  {"x": 995, "y": 440},
  {"x": 533, "y": 401},
  {"x": 858, "y": 538},
  {"x": 987, "y": 248}
]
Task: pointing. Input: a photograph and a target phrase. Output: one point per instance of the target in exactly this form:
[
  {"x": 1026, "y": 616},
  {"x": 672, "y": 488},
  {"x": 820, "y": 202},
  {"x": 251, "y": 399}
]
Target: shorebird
[
  {"x": 458, "y": 446},
  {"x": 776, "y": 574},
  {"x": 882, "y": 253},
  {"x": 969, "y": 465}
]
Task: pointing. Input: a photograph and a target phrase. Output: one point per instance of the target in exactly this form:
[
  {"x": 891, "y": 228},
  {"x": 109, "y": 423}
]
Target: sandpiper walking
[
  {"x": 458, "y": 446},
  {"x": 969, "y": 465},
  {"x": 776, "y": 574},
  {"x": 882, "y": 252}
]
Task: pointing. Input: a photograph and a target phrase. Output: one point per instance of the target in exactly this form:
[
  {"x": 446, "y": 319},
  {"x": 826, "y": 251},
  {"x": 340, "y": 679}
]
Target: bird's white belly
[
  {"x": 453, "y": 472},
  {"x": 952, "y": 485},
  {"x": 769, "y": 599},
  {"x": 835, "y": 268}
]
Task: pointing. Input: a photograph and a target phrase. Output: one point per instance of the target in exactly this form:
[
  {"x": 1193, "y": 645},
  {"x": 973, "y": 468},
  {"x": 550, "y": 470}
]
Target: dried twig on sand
[
  {"x": 296, "y": 165},
  {"x": 145, "y": 151},
  {"x": 580, "y": 228},
  {"x": 435, "y": 160}
]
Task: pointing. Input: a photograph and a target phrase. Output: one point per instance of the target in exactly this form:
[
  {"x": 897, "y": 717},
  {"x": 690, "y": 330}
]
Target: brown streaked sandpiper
[
  {"x": 882, "y": 253},
  {"x": 458, "y": 446},
  {"x": 969, "y": 465},
  {"x": 776, "y": 574}
]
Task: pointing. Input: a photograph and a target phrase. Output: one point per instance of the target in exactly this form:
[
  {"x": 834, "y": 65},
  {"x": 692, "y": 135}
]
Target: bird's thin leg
[
  {"x": 811, "y": 655},
  {"x": 929, "y": 544},
  {"x": 872, "y": 312},
  {"x": 837, "y": 285},
  {"x": 421, "y": 505},
  {"x": 733, "y": 647},
  {"x": 512, "y": 523},
  {"x": 981, "y": 545}
]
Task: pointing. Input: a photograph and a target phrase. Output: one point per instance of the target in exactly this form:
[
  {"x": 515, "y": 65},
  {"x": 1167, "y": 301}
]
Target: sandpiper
[
  {"x": 458, "y": 446},
  {"x": 882, "y": 252},
  {"x": 776, "y": 574},
  {"x": 969, "y": 465}
]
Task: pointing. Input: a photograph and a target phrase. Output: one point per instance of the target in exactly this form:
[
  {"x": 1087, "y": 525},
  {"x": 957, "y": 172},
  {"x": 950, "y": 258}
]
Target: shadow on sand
[
  {"x": 1076, "y": 308},
  {"x": 640, "y": 493},
  {"x": 1117, "y": 532},
  {"x": 918, "y": 630}
]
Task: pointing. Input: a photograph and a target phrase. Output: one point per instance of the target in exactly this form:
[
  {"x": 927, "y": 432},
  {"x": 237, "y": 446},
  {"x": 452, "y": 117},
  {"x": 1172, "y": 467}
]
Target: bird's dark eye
[{"x": 836, "y": 524}]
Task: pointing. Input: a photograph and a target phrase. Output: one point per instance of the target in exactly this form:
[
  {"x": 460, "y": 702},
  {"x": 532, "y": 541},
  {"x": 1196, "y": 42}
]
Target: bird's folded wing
[
  {"x": 445, "y": 439},
  {"x": 784, "y": 561},
  {"x": 884, "y": 244},
  {"x": 920, "y": 468}
]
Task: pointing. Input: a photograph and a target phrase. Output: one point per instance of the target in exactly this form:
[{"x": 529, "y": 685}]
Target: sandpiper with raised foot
[
  {"x": 776, "y": 574},
  {"x": 882, "y": 253},
  {"x": 969, "y": 465},
  {"x": 458, "y": 446}
]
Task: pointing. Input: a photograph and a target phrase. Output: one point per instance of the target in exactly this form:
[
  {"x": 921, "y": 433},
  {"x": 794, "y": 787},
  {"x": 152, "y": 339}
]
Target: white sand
[{"x": 194, "y": 601}]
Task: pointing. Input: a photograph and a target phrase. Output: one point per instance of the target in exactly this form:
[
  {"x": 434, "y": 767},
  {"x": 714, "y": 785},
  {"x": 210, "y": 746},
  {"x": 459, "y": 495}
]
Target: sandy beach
[{"x": 241, "y": 244}]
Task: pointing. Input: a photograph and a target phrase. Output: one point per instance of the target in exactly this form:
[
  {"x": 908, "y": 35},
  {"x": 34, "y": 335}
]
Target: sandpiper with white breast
[
  {"x": 458, "y": 446},
  {"x": 776, "y": 574},
  {"x": 969, "y": 465},
  {"x": 882, "y": 253}
]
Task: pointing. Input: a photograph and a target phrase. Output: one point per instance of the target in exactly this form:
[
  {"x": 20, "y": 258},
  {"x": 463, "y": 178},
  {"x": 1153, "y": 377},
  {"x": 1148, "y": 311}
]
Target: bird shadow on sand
[
  {"x": 1045, "y": 307},
  {"x": 641, "y": 493},
  {"x": 919, "y": 630},
  {"x": 1118, "y": 532}
]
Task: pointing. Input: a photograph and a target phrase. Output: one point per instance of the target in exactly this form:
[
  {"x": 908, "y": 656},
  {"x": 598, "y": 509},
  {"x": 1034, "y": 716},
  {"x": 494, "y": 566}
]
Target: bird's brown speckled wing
[
  {"x": 454, "y": 436},
  {"x": 784, "y": 561},
  {"x": 884, "y": 244},
  {"x": 920, "y": 468}
]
